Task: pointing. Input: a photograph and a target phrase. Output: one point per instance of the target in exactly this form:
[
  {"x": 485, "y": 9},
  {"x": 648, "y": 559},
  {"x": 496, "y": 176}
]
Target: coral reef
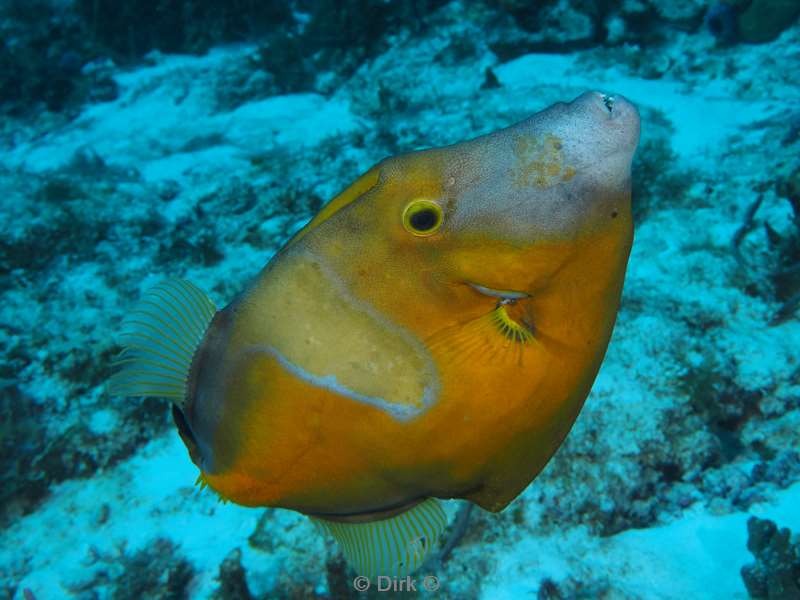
[
  {"x": 776, "y": 573},
  {"x": 786, "y": 278},
  {"x": 201, "y": 166},
  {"x": 720, "y": 19},
  {"x": 155, "y": 572},
  {"x": 232, "y": 580},
  {"x": 658, "y": 174},
  {"x": 764, "y": 20},
  {"x": 129, "y": 30},
  {"x": 45, "y": 59},
  {"x": 752, "y": 21},
  {"x": 572, "y": 589}
]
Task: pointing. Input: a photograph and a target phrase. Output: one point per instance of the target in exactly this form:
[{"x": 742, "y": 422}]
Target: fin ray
[
  {"x": 148, "y": 344},
  {"x": 395, "y": 546},
  {"x": 160, "y": 337},
  {"x": 176, "y": 339},
  {"x": 491, "y": 336}
]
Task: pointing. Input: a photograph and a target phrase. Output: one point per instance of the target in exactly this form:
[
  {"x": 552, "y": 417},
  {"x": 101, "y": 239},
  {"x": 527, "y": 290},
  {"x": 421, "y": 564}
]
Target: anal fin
[{"x": 395, "y": 546}]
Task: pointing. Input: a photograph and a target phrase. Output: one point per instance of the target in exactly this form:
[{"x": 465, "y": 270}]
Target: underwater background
[{"x": 145, "y": 140}]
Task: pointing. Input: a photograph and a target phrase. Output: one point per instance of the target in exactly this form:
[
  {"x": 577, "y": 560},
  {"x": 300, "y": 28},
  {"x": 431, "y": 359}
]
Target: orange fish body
[{"x": 432, "y": 333}]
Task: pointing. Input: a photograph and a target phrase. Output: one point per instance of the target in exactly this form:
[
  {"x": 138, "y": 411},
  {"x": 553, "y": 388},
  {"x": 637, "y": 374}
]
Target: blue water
[{"x": 146, "y": 141}]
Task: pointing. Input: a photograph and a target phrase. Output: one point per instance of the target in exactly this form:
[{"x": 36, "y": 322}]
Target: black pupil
[{"x": 424, "y": 220}]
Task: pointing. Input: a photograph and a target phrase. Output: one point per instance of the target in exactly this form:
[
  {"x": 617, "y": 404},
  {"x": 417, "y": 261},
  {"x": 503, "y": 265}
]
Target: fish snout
[{"x": 612, "y": 118}]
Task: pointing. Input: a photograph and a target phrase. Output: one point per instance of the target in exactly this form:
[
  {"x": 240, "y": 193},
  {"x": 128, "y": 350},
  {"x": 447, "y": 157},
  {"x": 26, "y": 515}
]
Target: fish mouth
[
  {"x": 498, "y": 294},
  {"x": 608, "y": 100},
  {"x": 614, "y": 114}
]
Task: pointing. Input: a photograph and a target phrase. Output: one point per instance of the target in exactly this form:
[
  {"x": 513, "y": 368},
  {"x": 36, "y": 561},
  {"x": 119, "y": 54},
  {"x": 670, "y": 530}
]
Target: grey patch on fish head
[{"x": 553, "y": 175}]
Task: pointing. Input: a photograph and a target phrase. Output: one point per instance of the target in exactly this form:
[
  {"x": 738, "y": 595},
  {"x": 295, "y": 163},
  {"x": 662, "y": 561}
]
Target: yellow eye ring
[{"x": 422, "y": 217}]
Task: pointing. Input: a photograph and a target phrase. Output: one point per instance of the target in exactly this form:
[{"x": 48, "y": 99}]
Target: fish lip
[
  {"x": 608, "y": 122},
  {"x": 610, "y": 105},
  {"x": 608, "y": 101},
  {"x": 499, "y": 294}
]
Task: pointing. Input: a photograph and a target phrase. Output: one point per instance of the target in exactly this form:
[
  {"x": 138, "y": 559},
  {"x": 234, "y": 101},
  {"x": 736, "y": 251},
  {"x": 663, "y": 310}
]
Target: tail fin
[
  {"x": 395, "y": 546},
  {"x": 161, "y": 335}
]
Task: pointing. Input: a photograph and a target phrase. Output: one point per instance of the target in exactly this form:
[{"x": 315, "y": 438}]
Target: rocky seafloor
[{"x": 131, "y": 152}]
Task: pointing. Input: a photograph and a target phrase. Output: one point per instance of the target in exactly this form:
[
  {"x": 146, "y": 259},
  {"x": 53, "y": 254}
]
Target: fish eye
[{"x": 422, "y": 217}]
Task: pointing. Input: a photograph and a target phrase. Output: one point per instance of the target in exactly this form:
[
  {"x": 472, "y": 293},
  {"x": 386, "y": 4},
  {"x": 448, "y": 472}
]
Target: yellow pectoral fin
[
  {"x": 499, "y": 336},
  {"x": 516, "y": 331}
]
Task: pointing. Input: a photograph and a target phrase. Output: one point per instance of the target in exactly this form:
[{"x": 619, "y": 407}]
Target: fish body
[{"x": 432, "y": 333}]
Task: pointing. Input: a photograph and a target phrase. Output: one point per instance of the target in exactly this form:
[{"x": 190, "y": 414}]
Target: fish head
[{"x": 510, "y": 214}]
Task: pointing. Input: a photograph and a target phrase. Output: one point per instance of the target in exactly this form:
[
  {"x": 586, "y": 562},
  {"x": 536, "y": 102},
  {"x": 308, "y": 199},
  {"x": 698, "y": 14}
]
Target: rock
[
  {"x": 562, "y": 23},
  {"x": 764, "y": 20},
  {"x": 720, "y": 20},
  {"x": 776, "y": 573},
  {"x": 681, "y": 10},
  {"x": 156, "y": 571},
  {"x": 232, "y": 580}
]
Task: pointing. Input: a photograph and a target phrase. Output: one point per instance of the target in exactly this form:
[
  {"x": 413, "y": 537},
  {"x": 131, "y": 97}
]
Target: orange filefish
[{"x": 432, "y": 333}]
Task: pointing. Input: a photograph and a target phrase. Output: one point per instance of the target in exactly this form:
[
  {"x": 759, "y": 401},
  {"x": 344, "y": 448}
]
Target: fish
[{"x": 432, "y": 333}]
